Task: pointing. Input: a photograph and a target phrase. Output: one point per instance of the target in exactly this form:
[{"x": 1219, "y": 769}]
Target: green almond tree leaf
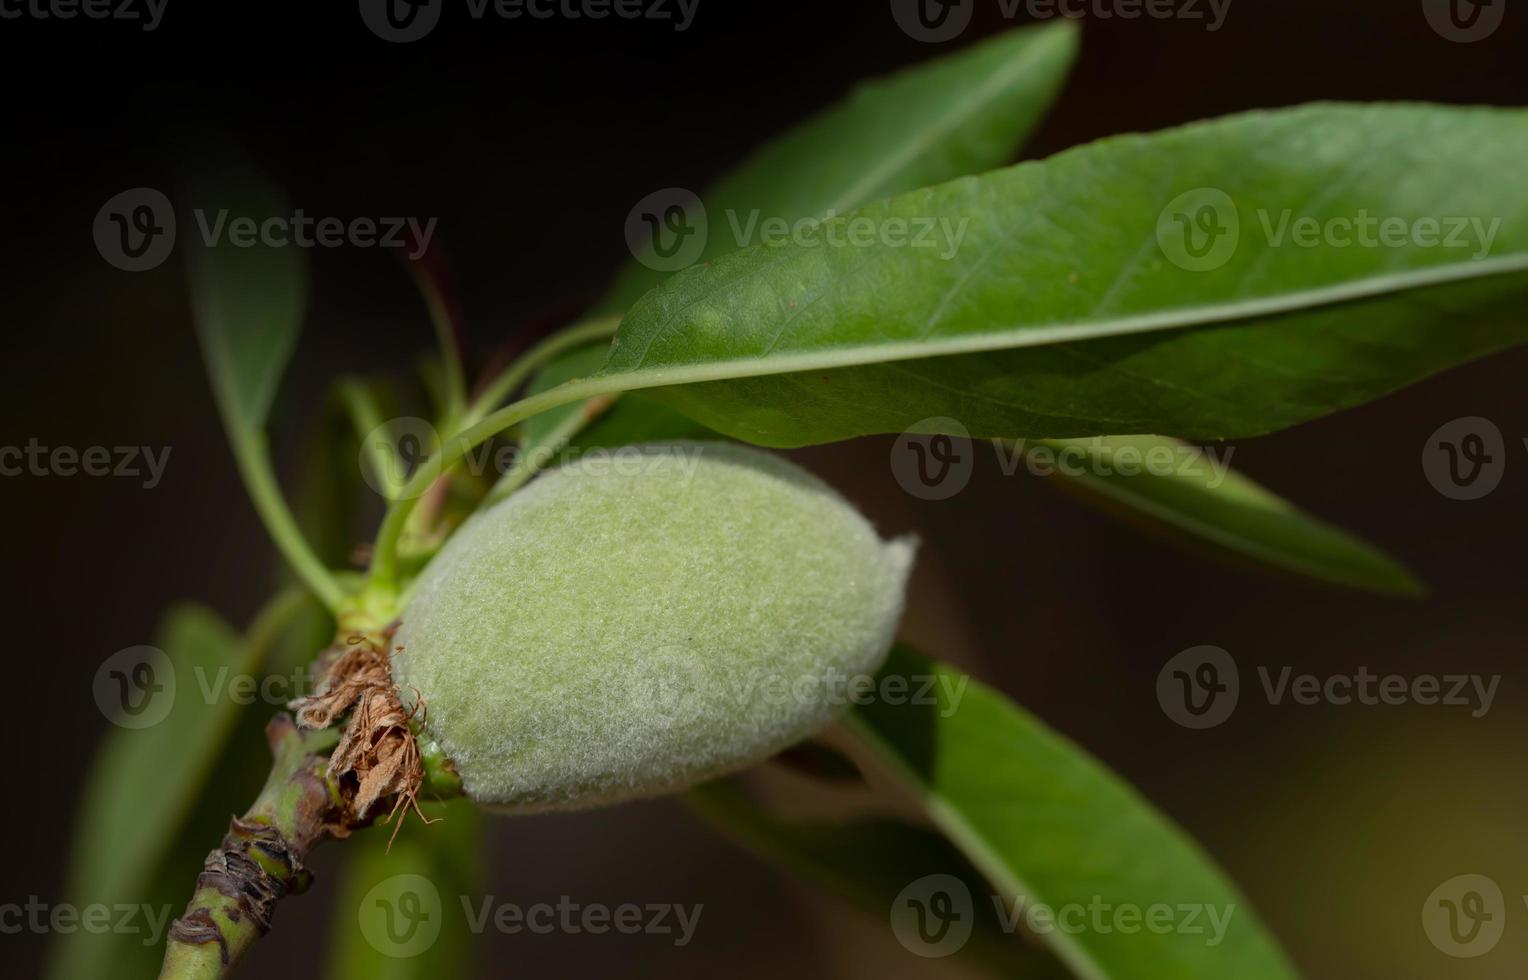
[
  {"x": 1063, "y": 298},
  {"x": 1201, "y": 504},
  {"x": 1052, "y": 829},
  {"x": 400, "y": 915},
  {"x": 145, "y": 783},
  {"x": 955, "y": 115},
  {"x": 952, "y": 116},
  {"x": 1205, "y": 502},
  {"x": 870, "y": 863},
  {"x": 248, "y": 295}
]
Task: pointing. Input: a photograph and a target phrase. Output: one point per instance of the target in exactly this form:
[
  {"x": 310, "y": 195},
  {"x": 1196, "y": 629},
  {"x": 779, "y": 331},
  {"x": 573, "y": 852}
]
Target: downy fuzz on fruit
[{"x": 629, "y": 625}]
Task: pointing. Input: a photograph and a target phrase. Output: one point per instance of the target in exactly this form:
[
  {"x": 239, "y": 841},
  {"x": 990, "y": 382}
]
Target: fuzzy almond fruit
[{"x": 630, "y": 625}]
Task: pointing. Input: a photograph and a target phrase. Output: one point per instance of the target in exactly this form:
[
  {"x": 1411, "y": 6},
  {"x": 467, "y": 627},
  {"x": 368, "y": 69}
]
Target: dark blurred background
[{"x": 530, "y": 141}]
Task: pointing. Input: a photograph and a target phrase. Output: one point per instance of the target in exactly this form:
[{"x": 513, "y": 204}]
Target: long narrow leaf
[
  {"x": 1063, "y": 298},
  {"x": 1201, "y": 502},
  {"x": 149, "y": 785},
  {"x": 1060, "y": 838},
  {"x": 248, "y": 295},
  {"x": 955, "y": 115}
]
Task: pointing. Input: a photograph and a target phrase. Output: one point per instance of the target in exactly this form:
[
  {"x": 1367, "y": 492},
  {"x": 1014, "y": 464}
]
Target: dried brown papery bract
[{"x": 377, "y": 746}]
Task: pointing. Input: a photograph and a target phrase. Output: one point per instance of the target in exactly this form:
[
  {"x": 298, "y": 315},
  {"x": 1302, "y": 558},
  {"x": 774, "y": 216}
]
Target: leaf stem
[
  {"x": 254, "y": 465},
  {"x": 366, "y": 416},
  {"x": 446, "y": 335},
  {"x": 534, "y": 458},
  {"x": 479, "y": 424},
  {"x": 520, "y": 371},
  {"x": 384, "y": 568}
]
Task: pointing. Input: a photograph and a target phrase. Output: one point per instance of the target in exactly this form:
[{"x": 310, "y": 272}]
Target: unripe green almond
[{"x": 631, "y": 625}]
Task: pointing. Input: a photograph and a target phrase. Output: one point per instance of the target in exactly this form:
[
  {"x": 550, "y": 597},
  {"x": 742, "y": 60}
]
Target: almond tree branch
[
  {"x": 261, "y": 858},
  {"x": 322, "y": 785}
]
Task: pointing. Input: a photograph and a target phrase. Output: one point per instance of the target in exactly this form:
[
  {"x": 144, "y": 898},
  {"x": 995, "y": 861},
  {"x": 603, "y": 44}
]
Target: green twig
[{"x": 261, "y": 858}]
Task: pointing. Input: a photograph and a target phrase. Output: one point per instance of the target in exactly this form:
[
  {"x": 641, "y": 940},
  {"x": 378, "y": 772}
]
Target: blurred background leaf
[
  {"x": 158, "y": 798},
  {"x": 400, "y": 912}
]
